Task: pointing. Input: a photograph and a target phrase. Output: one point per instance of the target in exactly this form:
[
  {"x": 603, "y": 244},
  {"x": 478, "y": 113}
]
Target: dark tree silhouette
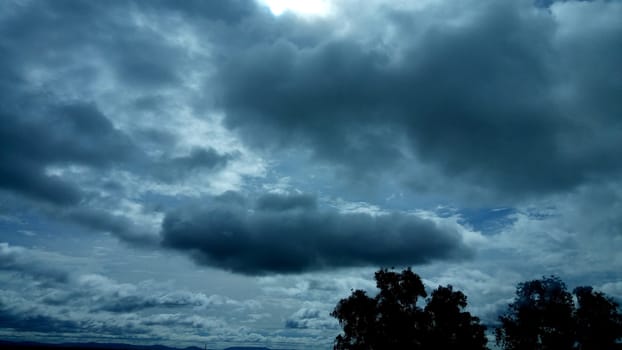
[
  {"x": 598, "y": 322},
  {"x": 540, "y": 318},
  {"x": 450, "y": 326},
  {"x": 543, "y": 316},
  {"x": 357, "y": 315},
  {"x": 393, "y": 320}
]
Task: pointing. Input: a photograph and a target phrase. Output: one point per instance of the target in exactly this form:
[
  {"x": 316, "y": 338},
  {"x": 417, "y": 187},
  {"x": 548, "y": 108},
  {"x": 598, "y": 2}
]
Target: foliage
[
  {"x": 393, "y": 320},
  {"x": 450, "y": 326},
  {"x": 543, "y": 316},
  {"x": 598, "y": 321},
  {"x": 539, "y": 318}
]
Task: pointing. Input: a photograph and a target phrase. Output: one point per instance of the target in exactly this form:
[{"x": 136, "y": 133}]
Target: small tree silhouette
[{"x": 393, "y": 320}]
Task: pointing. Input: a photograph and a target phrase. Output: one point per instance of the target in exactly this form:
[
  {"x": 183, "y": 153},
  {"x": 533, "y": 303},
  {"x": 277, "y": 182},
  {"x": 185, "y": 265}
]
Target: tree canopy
[
  {"x": 598, "y": 321},
  {"x": 544, "y": 316},
  {"x": 393, "y": 319}
]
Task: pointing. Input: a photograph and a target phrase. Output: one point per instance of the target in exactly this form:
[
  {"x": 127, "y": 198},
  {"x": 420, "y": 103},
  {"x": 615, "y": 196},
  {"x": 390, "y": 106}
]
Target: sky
[{"x": 221, "y": 173}]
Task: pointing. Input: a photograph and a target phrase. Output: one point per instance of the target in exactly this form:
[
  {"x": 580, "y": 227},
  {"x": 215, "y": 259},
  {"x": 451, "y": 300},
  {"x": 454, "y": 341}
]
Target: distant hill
[
  {"x": 102, "y": 346},
  {"x": 85, "y": 346}
]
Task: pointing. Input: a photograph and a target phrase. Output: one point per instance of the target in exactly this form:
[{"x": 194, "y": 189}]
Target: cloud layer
[
  {"x": 280, "y": 159},
  {"x": 487, "y": 92},
  {"x": 288, "y": 233}
]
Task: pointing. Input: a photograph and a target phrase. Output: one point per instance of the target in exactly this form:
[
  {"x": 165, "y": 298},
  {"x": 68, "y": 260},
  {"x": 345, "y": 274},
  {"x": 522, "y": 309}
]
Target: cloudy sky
[{"x": 223, "y": 172}]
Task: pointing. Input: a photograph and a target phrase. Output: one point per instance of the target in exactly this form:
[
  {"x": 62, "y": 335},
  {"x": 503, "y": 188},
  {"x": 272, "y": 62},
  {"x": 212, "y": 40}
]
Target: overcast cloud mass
[{"x": 223, "y": 172}]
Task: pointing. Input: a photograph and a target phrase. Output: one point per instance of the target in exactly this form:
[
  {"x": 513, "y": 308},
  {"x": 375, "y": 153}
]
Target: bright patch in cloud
[{"x": 304, "y": 7}]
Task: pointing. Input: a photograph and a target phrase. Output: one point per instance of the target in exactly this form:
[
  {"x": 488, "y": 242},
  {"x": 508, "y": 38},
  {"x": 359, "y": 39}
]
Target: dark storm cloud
[
  {"x": 102, "y": 221},
  {"x": 279, "y": 202},
  {"x": 288, "y": 234},
  {"x": 118, "y": 297},
  {"x": 37, "y": 134},
  {"x": 97, "y": 304},
  {"x": 198, "y": 160},
  {"x": 83, "y": 39},
  {"x": 21, "y": 261},
  {"x": 53, "y": 56},
  {"x": 134, "y": 303},
  {"x": 548, "y": 3},
  {"x": 117, "y": 300},
  {"x": 30, "y": 322},
  {"x": 221, "y": 11},
  {"x": 35, "y": 318},
  {"x": 480, "y": 100},
  {"x": 39, "y": 128},
  {"x": 496, "y": 95}
]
